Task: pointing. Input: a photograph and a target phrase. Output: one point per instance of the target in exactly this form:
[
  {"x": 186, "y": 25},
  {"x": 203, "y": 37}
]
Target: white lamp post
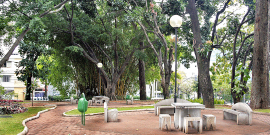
[
  {"x": 99, "y": 65},
  {"x": 176, "y": 22}
]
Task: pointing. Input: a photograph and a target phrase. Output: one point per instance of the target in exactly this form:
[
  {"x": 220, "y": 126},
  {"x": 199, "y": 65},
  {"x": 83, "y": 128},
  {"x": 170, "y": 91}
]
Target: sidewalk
[{"x": 140, "y": 122}]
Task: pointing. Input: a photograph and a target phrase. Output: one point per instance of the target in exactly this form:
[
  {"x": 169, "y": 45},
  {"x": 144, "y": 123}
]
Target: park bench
[
  {"x": 165, "y": 107},
  {"x": 240, "y": 112}
]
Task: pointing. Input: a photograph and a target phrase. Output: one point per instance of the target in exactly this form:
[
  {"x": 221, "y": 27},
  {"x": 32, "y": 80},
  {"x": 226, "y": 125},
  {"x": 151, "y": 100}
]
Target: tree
[
  {"x": 142, "y": 77},
  {"x": 244, "y": 50},
  {"x": 43, "y": 66},
  {"x": 28, "y": 69},
  {"x": 108, "y": 39},
  {"x": 260, "y": 73},
  {"x": 162, "y": 50},
  {"x": 16, "y": 7}
]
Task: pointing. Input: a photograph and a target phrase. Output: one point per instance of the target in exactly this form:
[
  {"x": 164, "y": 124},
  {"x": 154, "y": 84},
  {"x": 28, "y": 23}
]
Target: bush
[
  {"x": 196, "y": 100},
  {"x": 9, "y": 107},
  {"x": 219, "y": 101},
  {"x": 56, "y": 98},
  {"x": 216, "y": 101}
]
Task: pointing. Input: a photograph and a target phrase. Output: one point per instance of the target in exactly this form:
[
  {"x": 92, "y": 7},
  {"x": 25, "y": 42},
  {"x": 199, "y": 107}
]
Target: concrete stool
[
  {"x": 209, "y": 122},
  {"x": 90, "y": 103},
  {"x": 188, "y": 119},
  {"x": 129, "y": 102},
  {"x": 164, "y": 121},
  {"x": 112, "y": 115}
]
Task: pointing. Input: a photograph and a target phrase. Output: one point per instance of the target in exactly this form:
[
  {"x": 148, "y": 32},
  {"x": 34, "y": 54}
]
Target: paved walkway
[{"x": 142, "y": 122}]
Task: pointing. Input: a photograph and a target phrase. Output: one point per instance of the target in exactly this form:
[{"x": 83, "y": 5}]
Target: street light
[
  {"x": 176, "y": 22},
  {"x": 99, "y": 65}
]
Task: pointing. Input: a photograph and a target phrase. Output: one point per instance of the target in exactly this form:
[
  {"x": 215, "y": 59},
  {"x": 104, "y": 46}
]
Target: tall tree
[
  {"x": 142, "y": 77},
  {"x": 24, "y": 11},
  {"x": 260, "y": 73}
]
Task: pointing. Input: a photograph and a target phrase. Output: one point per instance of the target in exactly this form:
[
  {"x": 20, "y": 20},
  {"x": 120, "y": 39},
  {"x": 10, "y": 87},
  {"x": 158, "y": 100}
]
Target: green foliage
[
  {"x": 216, "y": 101},
  {"x": 57, "y": 98},
  {"x": 2, "y": 91},
  {"x": 196, "y": 100},
  {"x": 178, "y": 77}
]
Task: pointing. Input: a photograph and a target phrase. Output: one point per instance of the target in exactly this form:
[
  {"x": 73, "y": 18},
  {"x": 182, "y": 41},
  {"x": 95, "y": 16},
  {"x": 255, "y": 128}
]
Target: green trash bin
[
  {"x": 127, "y": 97},
  {"x": 82, "y": 107}
]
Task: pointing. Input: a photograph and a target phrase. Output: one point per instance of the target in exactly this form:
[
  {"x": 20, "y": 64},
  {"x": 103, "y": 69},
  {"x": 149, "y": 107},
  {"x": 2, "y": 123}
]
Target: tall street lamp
[
  {"x": 99, "y": 65},
  {"x": 176, "y": 22}
]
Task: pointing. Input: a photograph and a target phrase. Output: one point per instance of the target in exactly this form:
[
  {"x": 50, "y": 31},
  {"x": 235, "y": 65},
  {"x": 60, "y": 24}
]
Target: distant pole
[{"x": 32, "y": 80}]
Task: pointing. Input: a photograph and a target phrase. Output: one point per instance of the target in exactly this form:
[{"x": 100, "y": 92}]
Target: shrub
[
  {"x": 216, "y": 101},
  {"x": 9, "y": 107},
  {"x": 196, "y": 100},
  {"x": 56, "y": 98}
]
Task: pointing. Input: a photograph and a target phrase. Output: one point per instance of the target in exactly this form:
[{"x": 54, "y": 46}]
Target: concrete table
[
  {"x": 186, "y": 110},
  {"x": 100, "y": 99}
]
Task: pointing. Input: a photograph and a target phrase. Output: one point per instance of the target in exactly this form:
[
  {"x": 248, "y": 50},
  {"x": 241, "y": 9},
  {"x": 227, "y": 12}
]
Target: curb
[
  {"x": 92, "y": 114},
  {"x": 25, "y": 130}
]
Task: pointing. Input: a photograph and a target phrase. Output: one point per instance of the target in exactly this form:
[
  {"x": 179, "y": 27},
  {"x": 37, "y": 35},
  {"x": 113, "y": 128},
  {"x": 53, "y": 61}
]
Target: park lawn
[
  {"x": 13, "y": 126},
  {"x": 262, "y": 110},
  {"x": 101, "y": 109},
  {"x": 222, "y": 107}
]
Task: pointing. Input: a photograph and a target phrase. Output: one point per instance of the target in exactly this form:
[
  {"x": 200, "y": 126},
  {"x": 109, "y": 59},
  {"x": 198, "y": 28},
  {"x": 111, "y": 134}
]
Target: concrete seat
[
  {"x": 240, "y": 112},
  {"x": 190, "y": 119},
  {"x": 164, "y": 121},
  {"x": 90, "y": 103},
  {"x": 110, "y": 115},
  {"x": 209, "y": 122},
  {"x": 164, "y": 109},
  {"x": 130, "y": 102}
]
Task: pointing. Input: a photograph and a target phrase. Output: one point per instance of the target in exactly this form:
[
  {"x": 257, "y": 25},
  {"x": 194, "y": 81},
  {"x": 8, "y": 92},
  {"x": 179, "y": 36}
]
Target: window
[
  {"x": 7, "y": 64},
  {"x": 6, "y": 78}
]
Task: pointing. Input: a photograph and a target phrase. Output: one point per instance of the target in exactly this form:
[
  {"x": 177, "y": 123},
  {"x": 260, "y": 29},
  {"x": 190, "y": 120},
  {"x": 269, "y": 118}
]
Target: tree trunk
[
  {"x": 260, "y": 72},
  {"x": 205, "y": 83},
  {"x": 28, "y": 88},
  {"x": 199, "y": 90},
  {"x": 142, "y": 77},
  {"x": 110, "y": 91},
  {"x": 269, "y": 38},
  {"x": 167, "y": 84}
]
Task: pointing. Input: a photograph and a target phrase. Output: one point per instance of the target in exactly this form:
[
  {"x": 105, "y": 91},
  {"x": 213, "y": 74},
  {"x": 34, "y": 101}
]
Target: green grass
[
  {"x": 262, "y": 110},
  {"x": 222, "y": 107},
  {"x": 13, "y": 126},
  {"x": 101, "y": 109}
]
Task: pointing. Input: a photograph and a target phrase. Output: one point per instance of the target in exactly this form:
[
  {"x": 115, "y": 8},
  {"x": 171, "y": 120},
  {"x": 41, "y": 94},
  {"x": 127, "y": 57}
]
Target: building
[{"x": 9, "y": 79}]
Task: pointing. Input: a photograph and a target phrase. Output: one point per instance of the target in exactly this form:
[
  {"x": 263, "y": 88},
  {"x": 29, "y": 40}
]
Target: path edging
[{"x": 25, "y": 130}]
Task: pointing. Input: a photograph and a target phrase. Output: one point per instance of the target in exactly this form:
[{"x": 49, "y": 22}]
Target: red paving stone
[{"x": 140, "y": 122}]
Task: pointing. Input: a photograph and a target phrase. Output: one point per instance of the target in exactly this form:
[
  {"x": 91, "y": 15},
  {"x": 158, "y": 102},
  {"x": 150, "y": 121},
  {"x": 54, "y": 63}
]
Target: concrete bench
[
  {"x": 240, "y": 112},
  {"x": 191, "y": 119},
  {"x": 209, "y": 122},
  {"x": 164, "y": 121},
  {"x": 165, "y": 110},
  {"x": 167, "y": 102}
]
